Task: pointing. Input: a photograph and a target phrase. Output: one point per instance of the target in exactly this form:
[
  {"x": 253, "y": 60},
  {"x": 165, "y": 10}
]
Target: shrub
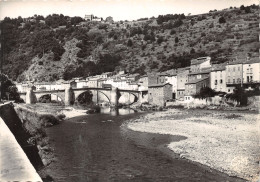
[
  {"x": 205, "y": 92},
  {"x": 222, "y": 20},
  {"x": 173, "y": 32},
  {"x": 176, "y": 40},
  {"x": 160, "y": 40},
  {"x": 239, "y": 95},
  {"x": 129, "y": 43}
]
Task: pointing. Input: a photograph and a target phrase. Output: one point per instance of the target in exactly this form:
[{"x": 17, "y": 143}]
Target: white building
[
  {"x": 218, "y": 78},
  {"x": 82, "y": 83},
  {"x": 251, "y": 71},
  {"x": 172, "y": 79}
]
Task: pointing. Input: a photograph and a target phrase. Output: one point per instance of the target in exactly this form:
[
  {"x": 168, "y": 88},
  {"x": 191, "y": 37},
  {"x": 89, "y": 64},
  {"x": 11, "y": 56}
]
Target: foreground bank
[{"x": 226, "y": 141}]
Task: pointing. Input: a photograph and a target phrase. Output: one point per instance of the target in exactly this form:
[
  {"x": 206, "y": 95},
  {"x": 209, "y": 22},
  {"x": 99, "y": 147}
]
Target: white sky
[{"x": 118, "y": 9}]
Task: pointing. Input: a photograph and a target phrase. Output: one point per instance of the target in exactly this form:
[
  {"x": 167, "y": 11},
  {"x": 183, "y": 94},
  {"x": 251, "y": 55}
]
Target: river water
[{"x": 97, "y": 148}]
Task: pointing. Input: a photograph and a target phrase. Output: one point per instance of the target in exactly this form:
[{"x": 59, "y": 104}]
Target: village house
[
  {"x": 159, "y": 94},
  {"x": 92, "y": 82},
  {"x": 172, "y": 79},
  {"x": 132, "y": 86},
  {"x": 156, "y": 78},
  {"x": 22, "y": 87},
  {"x": 202, "y": 73},
  {"x": 218, "y": 78},
  {"x": 182, "y": 78},
  {"x": 106, "y": 75},
  {"x": 89, "y": 17},
  {"x": 193, "y": 87},
  {"x": 251, "y": 71},
  {"x": 120, "y": 83},
  {"x": 82, "y": 83},
  {"x": 234, "y": 74},
  {"x": 143, "y": 82},
  {"x": 101, "y": 81},
  {"x": 110, "y": 19},
  {"x": 133, "y": 77}
]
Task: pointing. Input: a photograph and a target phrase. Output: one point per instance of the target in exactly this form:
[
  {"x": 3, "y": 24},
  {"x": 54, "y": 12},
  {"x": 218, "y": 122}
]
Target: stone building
[
  {"x": 156, "y": 78},
  {"x": 193, "y": 87},
  {"x": 159, "y": 94}
]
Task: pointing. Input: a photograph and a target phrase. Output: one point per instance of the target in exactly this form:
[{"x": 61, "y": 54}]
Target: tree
[
  {"x": 176, "y": 40},
  {"x": 8, "y": 89},
  {"x": 160, "y": 40},
  {"x": 173, "y": 32},
  {"x": 192, "y": 51},
  {"x": 205, "y": 92},
  {"x": 129, "y": 43},
  {"x": 222, "y": 20},
  {"x": 239, "y": 95},
  {"x": 242, "y": 7}
]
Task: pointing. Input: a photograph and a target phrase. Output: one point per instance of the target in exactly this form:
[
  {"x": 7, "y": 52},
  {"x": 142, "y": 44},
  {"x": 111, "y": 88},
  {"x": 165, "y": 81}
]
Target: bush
[
  {"x": 160, "y": 40},
  {"x": 239, "y": 95},
  {"x": 205, "y": 92},
  {"x": 173, "y": 32},
  {"x": 129, "y": 43},
  {"x": 222, "y": 20},
  {"x": 176, "y": 40}
]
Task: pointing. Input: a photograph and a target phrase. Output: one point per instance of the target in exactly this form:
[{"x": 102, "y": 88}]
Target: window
[
  {"x": 234, "y": 81},
  {"x": 221, "y": 81},
  {"x": 216, "y": 82},
  {"x": 238, "y": 68},
  {"x": 251, "y": 78},
  {"x": 238, "y": 80},
  {"x": 228, "y": 80},
  {"x": 234, "y": 69}
]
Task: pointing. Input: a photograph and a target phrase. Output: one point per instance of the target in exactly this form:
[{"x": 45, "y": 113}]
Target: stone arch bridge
[{"x": 70, "y": 95}]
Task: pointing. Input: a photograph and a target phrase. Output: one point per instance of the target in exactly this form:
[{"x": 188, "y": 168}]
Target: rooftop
[
  {"x": 159, "y": 85},
  {"x": 196, "y": 81}
]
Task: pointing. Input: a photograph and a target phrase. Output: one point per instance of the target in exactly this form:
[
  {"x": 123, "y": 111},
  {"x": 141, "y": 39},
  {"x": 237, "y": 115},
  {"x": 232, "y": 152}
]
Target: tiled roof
[
  {"x": 159, "y": 85},
  {"x": 203, "y": 71},
  {"x": 218, "y": 67},
  {"x": 196, "y": 81}
]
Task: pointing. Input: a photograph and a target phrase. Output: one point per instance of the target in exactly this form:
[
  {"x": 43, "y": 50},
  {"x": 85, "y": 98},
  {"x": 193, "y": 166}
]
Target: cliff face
[{"x": 158, "y": 44}]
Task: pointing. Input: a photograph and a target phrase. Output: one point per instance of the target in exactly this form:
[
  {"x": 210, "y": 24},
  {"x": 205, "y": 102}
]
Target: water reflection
[{"x": 116, "y": 111}]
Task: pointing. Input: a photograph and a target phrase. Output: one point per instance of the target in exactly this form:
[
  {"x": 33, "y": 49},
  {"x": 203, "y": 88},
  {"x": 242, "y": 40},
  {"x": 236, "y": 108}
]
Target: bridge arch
[
  {"x": 97, "y": 95},
  {"x": 127, "y": 98},
  {"x": 53, "y": 97}
]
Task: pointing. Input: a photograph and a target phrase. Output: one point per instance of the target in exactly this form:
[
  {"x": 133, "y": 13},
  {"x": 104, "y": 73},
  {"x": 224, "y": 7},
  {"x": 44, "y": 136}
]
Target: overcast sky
[{"x": 118, "y": 9}]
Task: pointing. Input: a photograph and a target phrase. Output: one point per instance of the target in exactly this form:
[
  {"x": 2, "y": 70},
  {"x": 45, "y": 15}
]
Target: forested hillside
[{"x": 53, "y": 47}]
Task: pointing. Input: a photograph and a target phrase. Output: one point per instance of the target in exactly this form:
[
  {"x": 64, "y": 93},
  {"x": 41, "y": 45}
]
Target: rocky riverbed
[{"x": 224, "y": 140}]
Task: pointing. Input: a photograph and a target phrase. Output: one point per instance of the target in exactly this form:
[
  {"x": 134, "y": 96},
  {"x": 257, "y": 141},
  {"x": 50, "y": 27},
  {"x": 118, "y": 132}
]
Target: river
[{"x": 97, "y": 148}]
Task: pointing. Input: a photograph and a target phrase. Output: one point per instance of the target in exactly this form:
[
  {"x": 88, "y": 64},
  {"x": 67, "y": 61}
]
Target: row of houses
[
  {"x": 182, "y": 84},
  {"x": 176, "y": 84}
]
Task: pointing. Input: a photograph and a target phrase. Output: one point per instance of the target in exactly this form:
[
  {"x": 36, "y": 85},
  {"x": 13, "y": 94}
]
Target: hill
[{"x": 46, "y": 49}]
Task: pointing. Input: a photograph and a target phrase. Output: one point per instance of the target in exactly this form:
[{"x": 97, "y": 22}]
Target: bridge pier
[
  {"x": 114, "y": 97},
  {"x": 68, "y": 96},
  {"x": 30, "y": 96}
]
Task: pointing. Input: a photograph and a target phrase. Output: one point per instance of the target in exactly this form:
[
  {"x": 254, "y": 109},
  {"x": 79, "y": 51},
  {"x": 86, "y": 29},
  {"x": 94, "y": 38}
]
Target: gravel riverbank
[{"x": 223, "y": 140}]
